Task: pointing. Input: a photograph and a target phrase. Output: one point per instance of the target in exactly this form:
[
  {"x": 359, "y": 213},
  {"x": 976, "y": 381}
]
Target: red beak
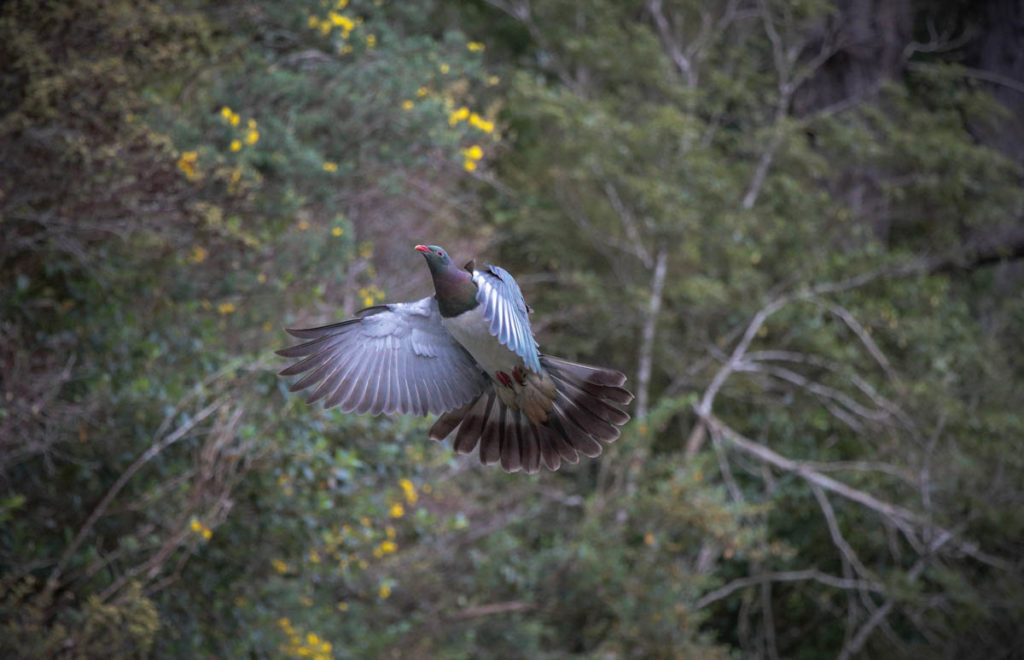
[{"x": 423, "y": 248}]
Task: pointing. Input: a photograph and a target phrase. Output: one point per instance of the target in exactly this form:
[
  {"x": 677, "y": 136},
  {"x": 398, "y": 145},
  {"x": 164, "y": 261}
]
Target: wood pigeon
[{"x": 469, "y": 354}]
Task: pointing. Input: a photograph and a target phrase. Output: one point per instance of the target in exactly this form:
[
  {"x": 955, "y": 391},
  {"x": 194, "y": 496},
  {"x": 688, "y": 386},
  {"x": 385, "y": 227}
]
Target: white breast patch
[{"x": 470, "y": 330}]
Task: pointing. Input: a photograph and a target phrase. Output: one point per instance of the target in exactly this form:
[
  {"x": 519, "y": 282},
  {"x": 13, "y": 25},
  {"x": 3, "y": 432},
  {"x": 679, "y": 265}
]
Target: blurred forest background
[{"x": 797, "y": 225}]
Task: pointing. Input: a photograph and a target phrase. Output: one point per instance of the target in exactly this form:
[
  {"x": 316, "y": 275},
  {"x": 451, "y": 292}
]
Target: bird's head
[{"x": 436, "y": 257}]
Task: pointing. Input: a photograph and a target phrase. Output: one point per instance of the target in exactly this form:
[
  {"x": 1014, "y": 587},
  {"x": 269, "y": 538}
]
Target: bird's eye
[{"x": 440, "y": 254}]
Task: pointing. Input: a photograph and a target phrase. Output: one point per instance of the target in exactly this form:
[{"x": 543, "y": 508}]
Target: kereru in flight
[{"x": 469, "y": 354}]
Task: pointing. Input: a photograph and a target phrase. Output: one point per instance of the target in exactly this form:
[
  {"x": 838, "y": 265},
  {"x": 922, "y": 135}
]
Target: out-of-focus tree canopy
[{"x": 797, "y": 226}]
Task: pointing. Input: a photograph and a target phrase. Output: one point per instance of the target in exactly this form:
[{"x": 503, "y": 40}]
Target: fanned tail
[{"x": 585, "y": 411}]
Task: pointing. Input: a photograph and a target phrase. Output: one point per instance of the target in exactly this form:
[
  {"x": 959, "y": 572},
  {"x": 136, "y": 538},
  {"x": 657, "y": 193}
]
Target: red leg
[{"x": 503, "y": 378}]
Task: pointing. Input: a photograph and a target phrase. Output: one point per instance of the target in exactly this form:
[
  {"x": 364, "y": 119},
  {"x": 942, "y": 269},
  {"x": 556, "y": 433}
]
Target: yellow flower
[
  {"x": 279, "y": 565},
  {"x": 457, "y": 116},
  {"x": 345, "y": 50},
  {"x": 187, "y": 164},
  {"x": 325, "y": 28},
  {"x": 312, "y": 639},
  {"x": 344, "y": 22},
  {"x": 385, "y": 590},
  {"x": 284, "y": 623},
  {"x": 198, "y": 254},
  {"x": 267, "y": 326},
  {"x": 409, "y": 489},
  {"x": 342, "y": 606},
  {"x": 389, "y": 531},
  {"x": 252, "y": 137},
  {"x": 469, "y": 165},
  {"x": 397, "y": 510},
  {"x": 364, "y": 521},
  {"x": 207, "y": 533},
  {"x": 226, "y": 308},
  {"x": 314, "y": 556},
  {"x": 480, "y": 123},
  {"x": 226, "y": 113},
  {"x": 313, "y": 21},
  {"x": 196, "y": 526},
  {"x": 303, "y": 225},
  {"x": 252, "y": 124},
  {"x": 337, "y": 231},
  {"x": 341, "y": 4},
  {"x": 234, "y": 119},
  {"x": 475, "y": 46},
  {"x": 387, "y": 547},
  {"x": 368, "y": 301},
  {"x": 444, "y": 68},
  {"x": 493, "y": 80},
  {"x": 407, "y": 105},
  {"x": 422, "y": 91},
  {"x": 236, "y": 145},
  {"x": 474, "y": 152},
  {"x": 330, "y": 167},
  {"x": 371, "y": 40}
]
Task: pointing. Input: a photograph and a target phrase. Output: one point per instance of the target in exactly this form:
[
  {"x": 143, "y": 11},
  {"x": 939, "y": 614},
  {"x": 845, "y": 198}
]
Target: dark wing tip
[
  {"x": 299, "y": 350},
  {"x": 304, "y": 333},
  {"x": 607, "y": 378}
]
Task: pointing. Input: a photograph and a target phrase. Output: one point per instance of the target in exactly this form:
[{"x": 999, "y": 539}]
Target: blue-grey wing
[
  {"x": 506, "y": 311},
  {"x": 391, "y": 358}
]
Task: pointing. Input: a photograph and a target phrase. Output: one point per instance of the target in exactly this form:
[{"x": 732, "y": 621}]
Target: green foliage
[{"x": 179, "y": 181}]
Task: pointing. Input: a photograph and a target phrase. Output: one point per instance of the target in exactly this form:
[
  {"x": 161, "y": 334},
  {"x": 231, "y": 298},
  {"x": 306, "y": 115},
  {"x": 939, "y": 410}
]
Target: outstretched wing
[
  {"x": 391, "y": 358},
  {"x": 506, "y": 311}
]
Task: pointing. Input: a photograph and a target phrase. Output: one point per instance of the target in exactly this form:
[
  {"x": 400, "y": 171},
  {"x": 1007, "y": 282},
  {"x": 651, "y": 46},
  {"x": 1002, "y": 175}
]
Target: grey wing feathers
[
  {"x": 507, "y": 312},
  {"x": 395, "y": 358}
]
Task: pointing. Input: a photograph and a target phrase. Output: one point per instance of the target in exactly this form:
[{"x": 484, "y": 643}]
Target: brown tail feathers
[{"x": 580, "y": 412}]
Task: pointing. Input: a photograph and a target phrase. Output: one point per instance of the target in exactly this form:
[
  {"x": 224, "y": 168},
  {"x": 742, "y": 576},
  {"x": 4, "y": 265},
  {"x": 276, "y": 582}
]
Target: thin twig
[
  {"x": 144, "y": 458},
  {"x": 811, "y": 574}
]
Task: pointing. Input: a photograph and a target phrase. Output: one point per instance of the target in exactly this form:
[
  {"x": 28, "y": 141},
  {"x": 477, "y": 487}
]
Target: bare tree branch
[
  {"x": 144, "y": 458},
  {"x": 816, "y": 388},
  {"x": 811, "y": 574},
  {"x": 905, "y": 520},
  {"x": 643, "y": 377},
  {"x": 669, "y": 42},
  {"x": 491, "y": 609},
  {"x": 628, "y": 223}
]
